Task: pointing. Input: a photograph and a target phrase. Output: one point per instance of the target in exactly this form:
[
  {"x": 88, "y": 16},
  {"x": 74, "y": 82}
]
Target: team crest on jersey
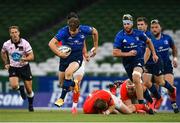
[
  {"x": 82, "y": 36},
  {"x": 166, "y": 42},
  {"x": 76, "y": 41},
  {"x": 131, "y": 44},
  {"x": 124, "y": 41},
  {"x": 160, "y": 48},
  {"x": 70, "y": 38},
  {"x": 137, "y": 38}
]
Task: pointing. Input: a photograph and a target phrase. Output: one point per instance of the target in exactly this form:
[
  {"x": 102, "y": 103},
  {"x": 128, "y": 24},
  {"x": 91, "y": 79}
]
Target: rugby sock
[
  {"x": 147, "y": 96},
  {"x": 140, "y": 107},
  {"x": 74, "y": 105},
  {"x": 141, "y": 101},
  {"x": 113, "y": 90},
  {"x": 76, "y": 97},
  {"x": 168, "y": 86},
  {"x": 30, "y": 98},
  {"x": 65, "y": 89},
  {"x": 154, "y": 91}
]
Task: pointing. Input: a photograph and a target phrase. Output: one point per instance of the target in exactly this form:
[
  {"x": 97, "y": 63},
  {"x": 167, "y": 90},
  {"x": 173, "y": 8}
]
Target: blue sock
[
  {"x": 168, "y": 86},
  {"x": 147, "y": 96},
  {"x": 65, "y": 89},
  {"x": 141, "y": 101},
  {"x": 154, "y": 91}
]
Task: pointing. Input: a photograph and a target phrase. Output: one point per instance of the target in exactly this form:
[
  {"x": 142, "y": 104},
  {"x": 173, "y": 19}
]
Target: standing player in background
[
  {"x": 142, "y": 24},
  {"x": 16, "y": 53},
  {"x": 72, "y": 35},
  {"x": 163, "y": 43},
  {"x": 127, "y": 45}
]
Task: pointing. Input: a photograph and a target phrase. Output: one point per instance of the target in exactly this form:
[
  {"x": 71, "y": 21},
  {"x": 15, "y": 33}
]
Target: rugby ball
[{"x": 65, "y": 49}]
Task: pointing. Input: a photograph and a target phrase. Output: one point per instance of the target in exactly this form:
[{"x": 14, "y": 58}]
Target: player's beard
[
  {"x": 157, "y": 35},
  {"x": 128, "y": 30}
]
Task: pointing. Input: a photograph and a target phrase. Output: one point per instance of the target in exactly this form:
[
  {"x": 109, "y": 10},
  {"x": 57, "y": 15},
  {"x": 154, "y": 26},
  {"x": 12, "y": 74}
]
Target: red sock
[
  {"x": 76, "y": 97},
  {"x": 113, "y": 90},
  {"x": 140, "y": 107}
]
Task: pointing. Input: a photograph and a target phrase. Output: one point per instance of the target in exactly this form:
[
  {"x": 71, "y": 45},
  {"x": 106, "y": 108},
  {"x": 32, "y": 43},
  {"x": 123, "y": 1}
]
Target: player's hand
[
  {"x": 175, "y": 64},
  {"x": 86, "y": 57},
  {"x": 7, "y": 66},
  {"x": 63, "y": 55},
  {"x": 132, "y": 53},
  {"x": 93, "y": 52},
  {"x": 155, "y": 58},
  {"x": 107, "y": 112}
]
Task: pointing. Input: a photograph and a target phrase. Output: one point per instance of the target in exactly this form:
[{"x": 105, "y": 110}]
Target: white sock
[
  {"x": 74, "y": 105},
  {"x": 30, "y": 95}
]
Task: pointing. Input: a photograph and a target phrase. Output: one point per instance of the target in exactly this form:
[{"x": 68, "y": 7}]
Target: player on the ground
[
  {"x": 16, "y": 53},
  {"x": 163, "y": 68},
  {"x": 72, "y": 35},
  {"x": 128, "y": 96},
  {"x": 127, "y": 45},
  {"x": 104, "y": 102},
  {"x": 142, "y": 24}
]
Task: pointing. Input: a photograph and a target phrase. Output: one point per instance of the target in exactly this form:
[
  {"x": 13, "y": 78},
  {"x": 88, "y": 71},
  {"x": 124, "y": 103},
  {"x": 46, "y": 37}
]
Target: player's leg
[
  {"x": 14, "y": 82},
  {"x": 61, "y": 78},
  {"x": 136, "y": 76},
  {"x": 172, "y": 91},
  {"x": 68, "y": 83},
  {"x": 30, "y": 93},
  {"x": 26, "y": 75},
  {"x": 78, "y": 76},
  {"x": 147, "y": 78},
  {"x": 170, "y": 78}
]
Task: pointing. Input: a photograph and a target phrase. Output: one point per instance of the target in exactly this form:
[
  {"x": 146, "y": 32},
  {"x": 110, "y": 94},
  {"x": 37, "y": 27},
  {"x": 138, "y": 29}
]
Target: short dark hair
[
  {"x": 142, "y": 19},
  {"x": 100, "y": 105},
  {"x": 72, "y": 15},
  {"x": 73, "y": 23}
]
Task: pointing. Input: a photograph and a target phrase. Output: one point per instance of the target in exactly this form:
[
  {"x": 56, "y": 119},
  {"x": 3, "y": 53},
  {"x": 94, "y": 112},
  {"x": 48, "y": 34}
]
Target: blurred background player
[
  {"x": 127, "y": 45},
  {"x": 72, "y": 35},
  {"x": 163, "y": 43},
  {"x": 16, "y": 53},
  {"x": 142, "y": 24}
]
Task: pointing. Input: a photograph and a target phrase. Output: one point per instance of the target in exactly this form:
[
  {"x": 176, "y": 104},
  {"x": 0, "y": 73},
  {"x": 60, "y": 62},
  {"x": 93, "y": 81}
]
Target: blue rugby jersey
[
  {"x": 162, "y": 47},
  {"x": 127, "y": 42},
  {"x": 75, "y": 42}
]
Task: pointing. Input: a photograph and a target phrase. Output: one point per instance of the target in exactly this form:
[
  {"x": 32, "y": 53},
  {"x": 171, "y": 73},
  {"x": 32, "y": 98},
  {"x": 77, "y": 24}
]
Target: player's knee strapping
[{"x": 136, "y": 73}]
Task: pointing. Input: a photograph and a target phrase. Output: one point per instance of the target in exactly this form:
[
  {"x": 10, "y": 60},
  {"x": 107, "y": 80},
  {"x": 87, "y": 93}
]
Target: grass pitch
[{"x": 66, "y": 116}]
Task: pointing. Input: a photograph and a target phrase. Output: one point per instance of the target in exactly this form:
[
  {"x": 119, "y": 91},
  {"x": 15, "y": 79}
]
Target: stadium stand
[{"x": 105, "y": 15}]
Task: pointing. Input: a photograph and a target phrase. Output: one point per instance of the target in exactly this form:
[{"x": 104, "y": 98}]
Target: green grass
[{"x": 66, "y": 116}]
